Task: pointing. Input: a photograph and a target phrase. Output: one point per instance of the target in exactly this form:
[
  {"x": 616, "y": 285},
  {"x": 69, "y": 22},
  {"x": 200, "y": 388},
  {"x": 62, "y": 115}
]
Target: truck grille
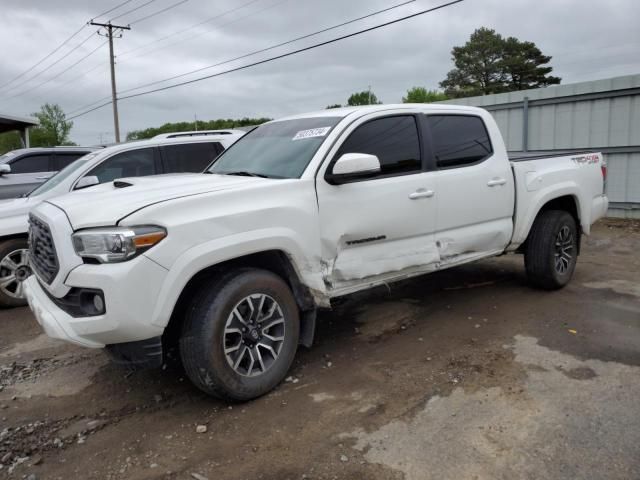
[{"x": 42, "y": 251}]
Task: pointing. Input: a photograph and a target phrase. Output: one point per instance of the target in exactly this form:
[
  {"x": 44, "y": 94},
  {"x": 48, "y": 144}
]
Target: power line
[
  {"x": 57, "y": 49},
  {"x": 303, "y": 37},
  {"x": 43, "y": 58},
  {"x": 127, "y": 52},
  {"x": 132, "y": 10},
  {"x": 112, "y": 9},
  {"x": 252, "y": 53},
  {"x": 202, "y": 33},
  {"x": 158, "y": 12},
  {"x": 182, "y": 31},
  {"x": 284, "y": 55},
  {"x": 54, "y": 63},
  {"x": 89, "y": 111},
  {"x": 59, "y": 73}
]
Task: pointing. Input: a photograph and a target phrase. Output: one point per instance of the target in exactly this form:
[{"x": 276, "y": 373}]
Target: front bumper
[{"x": 130, "y": 293}]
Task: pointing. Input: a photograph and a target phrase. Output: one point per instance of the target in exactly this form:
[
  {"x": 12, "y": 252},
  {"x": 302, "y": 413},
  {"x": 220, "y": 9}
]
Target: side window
[
  {"x": 31, "y": 164},
  {"x": 61, "y": 160},
  {"x": 189, "y": 157},
  {"x": 458, "y": 140},
  {"x": 394, "y": 140},
  {"x": 136, "y": 163}
]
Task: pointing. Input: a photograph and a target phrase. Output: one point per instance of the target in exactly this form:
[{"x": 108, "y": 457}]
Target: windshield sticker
[{"x": 312, "y": 132}]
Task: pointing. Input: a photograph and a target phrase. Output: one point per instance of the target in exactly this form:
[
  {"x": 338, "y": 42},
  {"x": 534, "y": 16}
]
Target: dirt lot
[{"x": 465, "y": 374}]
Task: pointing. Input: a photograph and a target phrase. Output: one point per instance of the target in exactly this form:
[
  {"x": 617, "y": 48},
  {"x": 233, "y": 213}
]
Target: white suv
[{"x": 192, "y": 153}]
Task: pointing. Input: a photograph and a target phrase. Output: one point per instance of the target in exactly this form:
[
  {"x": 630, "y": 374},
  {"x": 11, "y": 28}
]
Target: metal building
[
  {"x": 21, "y": 124},
  {"x": 602, "y": 115}
]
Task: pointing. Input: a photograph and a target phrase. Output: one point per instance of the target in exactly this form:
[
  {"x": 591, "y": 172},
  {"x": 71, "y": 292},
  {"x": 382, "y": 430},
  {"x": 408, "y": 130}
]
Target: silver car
[{"x": 23, "y": 170}]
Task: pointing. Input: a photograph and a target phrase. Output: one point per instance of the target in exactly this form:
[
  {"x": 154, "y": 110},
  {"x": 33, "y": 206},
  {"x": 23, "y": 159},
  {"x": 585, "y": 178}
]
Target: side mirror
[
  {"x": 5, "y": 168},
  {"x": 88, "y": 181},
  {"x": 352, "y": 166}
]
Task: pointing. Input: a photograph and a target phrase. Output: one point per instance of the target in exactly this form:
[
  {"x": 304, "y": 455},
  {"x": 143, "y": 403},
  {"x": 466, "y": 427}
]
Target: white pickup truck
[{"x": 232, "y": 265}]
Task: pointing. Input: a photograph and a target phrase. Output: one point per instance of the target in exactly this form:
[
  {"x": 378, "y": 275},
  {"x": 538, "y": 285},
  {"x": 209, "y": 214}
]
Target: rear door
[
  {"x": 189, "y": 157},
  {"x": 27, "y": 172},
  {"x": 474, "y": 188},
  {"x": 381, "y": 226}
]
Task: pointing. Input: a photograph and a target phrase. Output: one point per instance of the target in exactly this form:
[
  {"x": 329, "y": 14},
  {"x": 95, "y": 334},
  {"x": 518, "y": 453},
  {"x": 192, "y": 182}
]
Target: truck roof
[{"x": 365, "y": 109}]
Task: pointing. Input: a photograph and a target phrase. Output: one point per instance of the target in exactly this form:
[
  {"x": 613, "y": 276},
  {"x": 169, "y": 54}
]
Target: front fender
[{"x": 223, "y": 249}]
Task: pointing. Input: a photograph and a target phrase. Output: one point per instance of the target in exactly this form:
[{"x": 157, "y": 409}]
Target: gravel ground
[{"x": 463, "y": 374}]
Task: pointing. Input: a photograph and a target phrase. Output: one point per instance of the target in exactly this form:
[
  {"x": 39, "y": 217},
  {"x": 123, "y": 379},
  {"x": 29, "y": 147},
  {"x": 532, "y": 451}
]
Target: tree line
[{"x": 487, "y": 63}]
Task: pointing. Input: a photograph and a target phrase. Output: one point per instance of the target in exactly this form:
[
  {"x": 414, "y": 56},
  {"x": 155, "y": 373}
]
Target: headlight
[{"x": 117, "y": 244}]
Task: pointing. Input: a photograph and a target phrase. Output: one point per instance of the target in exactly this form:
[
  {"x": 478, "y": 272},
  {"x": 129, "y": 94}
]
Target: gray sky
[{"x": 588, "y": 40}]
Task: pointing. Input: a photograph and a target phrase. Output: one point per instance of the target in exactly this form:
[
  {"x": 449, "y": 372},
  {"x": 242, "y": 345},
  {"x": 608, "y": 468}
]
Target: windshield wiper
[{"x": 244, "y": 173}]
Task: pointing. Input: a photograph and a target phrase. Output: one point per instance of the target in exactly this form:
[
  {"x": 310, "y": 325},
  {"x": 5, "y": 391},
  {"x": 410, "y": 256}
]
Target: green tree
[
  {"x": 524, "y": 65},
  {"x": 54, "y": 127},
  {"x": 366, "y": 97},
  {"x": 488, "y": 63},
  {"x": 422, "y": 95},
  {"x": 335, "y": 105},
  {"x": 9, "y": 141}
]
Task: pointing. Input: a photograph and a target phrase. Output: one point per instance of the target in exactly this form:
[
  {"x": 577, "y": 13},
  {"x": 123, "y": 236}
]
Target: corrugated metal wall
[{"x": 601, "y": 115}]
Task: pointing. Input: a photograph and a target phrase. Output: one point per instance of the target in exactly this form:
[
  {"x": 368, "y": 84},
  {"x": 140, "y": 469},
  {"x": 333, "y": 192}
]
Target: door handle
[
  {"x": 496, "y": 181},
  {"x": 42, "y": 178},
  {"x": 421, "y": 193}
]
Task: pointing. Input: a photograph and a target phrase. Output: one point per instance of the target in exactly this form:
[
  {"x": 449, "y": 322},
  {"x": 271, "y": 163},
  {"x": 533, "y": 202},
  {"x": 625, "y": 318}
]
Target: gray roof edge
[
  {"x": 568, "y": 89},
  {"x": 14, "y": 118}
]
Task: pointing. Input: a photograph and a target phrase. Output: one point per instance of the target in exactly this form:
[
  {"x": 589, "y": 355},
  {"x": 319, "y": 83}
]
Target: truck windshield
[
  {"x": 275, "y": 150},
  {"x": 61, "y": 175}
]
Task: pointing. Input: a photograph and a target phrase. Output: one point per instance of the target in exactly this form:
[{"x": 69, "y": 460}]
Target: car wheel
[
  {"x": 240, "y": 334},
  {"x": 552, "y": 250},
  {"x": 13, "y": 264}
]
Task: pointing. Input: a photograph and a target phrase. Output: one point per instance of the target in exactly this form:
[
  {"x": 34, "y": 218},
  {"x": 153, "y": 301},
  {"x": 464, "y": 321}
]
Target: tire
[
  {"x": 552, "y": 250},
  {"x": 209, "y": 335},
  {"x": 12, "y": 256}
]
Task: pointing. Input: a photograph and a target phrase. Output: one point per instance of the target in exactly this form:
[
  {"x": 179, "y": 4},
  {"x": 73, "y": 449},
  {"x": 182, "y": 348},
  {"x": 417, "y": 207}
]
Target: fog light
[{"x": 98, "y": 303}]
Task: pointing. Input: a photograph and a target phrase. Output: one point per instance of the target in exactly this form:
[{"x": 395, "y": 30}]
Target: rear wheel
[
  {"x": 240, "y": 335},
  {"x": 552, "y": 250},
  {"x": 13, "y": 264}
]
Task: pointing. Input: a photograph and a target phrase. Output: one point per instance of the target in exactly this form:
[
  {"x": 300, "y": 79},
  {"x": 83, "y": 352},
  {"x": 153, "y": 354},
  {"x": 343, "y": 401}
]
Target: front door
[{"x": 383, "y": 226}]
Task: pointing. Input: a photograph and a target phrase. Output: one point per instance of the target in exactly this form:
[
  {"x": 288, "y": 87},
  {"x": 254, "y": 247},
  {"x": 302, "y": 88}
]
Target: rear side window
[
  {"x": 31, "y": 164},
  {"x": 394, "y": 140},
  {"x": 458, "y": 140},
  {"x": 61, "y": 160},
  {"x": 190, "y": 157},
  {"x": 135, "y": 163}
]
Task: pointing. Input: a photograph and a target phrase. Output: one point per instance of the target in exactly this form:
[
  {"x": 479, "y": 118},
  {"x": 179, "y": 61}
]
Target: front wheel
[
  {"x": 13, "y": 265},
  {"x": 240, "y": 334},
  {"x": 552, "y": 250}
]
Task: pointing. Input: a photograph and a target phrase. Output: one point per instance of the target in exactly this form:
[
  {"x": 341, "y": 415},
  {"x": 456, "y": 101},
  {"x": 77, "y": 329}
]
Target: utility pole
[{"x": 111, "y": 30}]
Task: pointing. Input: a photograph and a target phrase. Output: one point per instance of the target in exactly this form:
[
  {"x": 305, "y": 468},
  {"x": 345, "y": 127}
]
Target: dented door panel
[{"x": 372, "y": 228}]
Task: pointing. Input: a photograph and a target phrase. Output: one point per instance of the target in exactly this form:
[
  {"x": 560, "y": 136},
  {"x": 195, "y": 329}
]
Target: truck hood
[{"x": 107, "y": 204}]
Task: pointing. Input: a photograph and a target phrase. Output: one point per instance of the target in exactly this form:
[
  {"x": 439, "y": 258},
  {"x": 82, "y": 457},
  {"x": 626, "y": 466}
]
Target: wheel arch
[
  {"x": 568, "y": 203},
  {"x": 13, "y": 236},
  {"x": 275, "y": 261}
]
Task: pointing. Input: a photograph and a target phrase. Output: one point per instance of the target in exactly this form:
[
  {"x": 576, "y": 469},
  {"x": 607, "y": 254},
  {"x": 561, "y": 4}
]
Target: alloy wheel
[
  {"x": 9, "y": 266},
  {"x": 563, "y": 250},
  {"x": 254, "y": 334}
]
